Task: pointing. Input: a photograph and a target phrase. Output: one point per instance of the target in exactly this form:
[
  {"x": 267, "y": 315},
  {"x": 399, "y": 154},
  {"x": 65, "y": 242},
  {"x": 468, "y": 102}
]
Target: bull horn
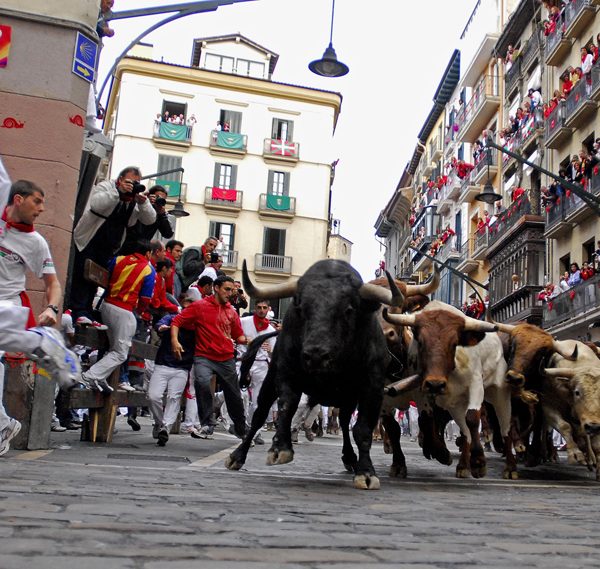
[
  {"x": 427, "y": 288},
  {"x": 507, "y": 328},
  {"x": 271, "y": 292},
  {"x": 560, "y": 372},
  {"x": 474, "y": 325},
  {"x": 377, "y": 293},
  {"x": 406, "y": 384},
  {"x": 562, "y": 351},
  {"x": 397, "y": 296},
  {"x": 401, "y": 319}
]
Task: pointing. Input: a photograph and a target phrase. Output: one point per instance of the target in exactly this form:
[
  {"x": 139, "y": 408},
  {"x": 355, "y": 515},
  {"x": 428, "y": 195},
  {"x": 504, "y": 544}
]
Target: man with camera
[
  {"x": 113, "y": 206},
  {"x": 238, "y": 299},
  {"x": 161, "y": 228}
]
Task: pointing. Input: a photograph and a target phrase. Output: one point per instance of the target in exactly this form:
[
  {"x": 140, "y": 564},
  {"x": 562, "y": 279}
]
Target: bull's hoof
[
  {"x": 275, "y": 456},
  {"x": 520, "y": 447},
  {"x": 479, "y": 471},
  {"x": 510, "y": 473},
  {"x": 575, "y": 456},
  {"x": 398, "y": 471},
  {"x": 462, "y": 472},
  {"x": 387, "y": 447},
  {"x": 366, "y": 482},
  {"x": 443, "y": 456},
  {"x": 232, "y": 463}
]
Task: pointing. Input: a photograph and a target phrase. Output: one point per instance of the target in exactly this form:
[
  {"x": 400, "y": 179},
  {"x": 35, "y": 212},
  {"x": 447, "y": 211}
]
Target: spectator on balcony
[
  {"x": 102, "y": 28},
  {"x": 587, "y": 271},
  {"x": 510, "y": 58},
  {"x": 517, "y": 193},
  {"x": 478, "y": 150},
  {"x": 226, "y": 127},
  {"x": 567, "y": 85},
  {"x": 549, "y": 27},
  {"x": 596, "y": 149},
  {"x": 221, "y": 247},
  {"x": 463, "y": 169},
  {"x": 536, "y": 98},
  {"x": 587, "y": 62},
  {"x": 564, "y": 282},
  {"x": 574, "y": 275},
  {"x": 593, "y": 49},
  {"x": 576, "y": 75}
]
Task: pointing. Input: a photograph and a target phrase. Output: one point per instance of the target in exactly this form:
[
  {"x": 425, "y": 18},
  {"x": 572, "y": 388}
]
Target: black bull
[{"x": 332, "y": 348}]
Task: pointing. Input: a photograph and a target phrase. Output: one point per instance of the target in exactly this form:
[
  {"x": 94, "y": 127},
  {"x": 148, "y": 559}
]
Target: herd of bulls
[{"x": 375, "y": 347}]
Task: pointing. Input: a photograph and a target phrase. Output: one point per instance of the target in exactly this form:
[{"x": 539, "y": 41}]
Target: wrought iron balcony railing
[
  {"x": 176, "y": 133},
  {"x": 272, "y": 263},
  {"x": 572, "y": 303}
]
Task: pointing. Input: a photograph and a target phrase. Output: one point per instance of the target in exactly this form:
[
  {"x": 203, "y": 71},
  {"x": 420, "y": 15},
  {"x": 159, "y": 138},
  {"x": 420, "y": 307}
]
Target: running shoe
[
  {"x": 56, "y": 358},
  {"x": 7, "y": 434}
]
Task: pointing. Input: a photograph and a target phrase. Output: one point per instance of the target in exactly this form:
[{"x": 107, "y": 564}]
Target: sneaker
[
  {"x": 294, "y": 435},
  {"x": 96, "y": 384},
  {"x": 126, "y": 387},
  {"x": 204, "y": 433},
  {"x": 132, "y": 422},
  {"x": 58, "y": 428},
  {"x": 54, "y": 356},
  {"x": 72, "y": 426},
  {"x": 7, "y": 434},
  {"x": 163, "y": 437},
  {"x": 155, "y": 431},
  {"x": 259, "y": 440},
  {"x": 84, "y": 321},
  {"x": 142, "y": 389}
]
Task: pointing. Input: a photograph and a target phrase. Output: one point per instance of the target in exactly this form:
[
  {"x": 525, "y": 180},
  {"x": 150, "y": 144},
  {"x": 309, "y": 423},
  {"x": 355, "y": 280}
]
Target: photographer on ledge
[
  {"x": 113, "y": 206},
  {"x": 160, "y": 229}
]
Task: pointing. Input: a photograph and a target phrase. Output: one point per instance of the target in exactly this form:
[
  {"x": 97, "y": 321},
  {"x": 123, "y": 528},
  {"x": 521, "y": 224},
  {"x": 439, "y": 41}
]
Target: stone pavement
[{"x": 135, "y": 505}]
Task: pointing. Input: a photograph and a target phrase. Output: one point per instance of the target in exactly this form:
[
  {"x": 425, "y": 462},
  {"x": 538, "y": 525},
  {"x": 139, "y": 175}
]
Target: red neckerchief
[
  {"x": 24, "y": 227},
  {"x": 260, "y": 323}
]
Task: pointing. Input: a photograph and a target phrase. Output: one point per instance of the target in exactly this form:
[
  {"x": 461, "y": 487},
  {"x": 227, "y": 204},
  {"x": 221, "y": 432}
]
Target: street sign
[{"x": 84, "y": 58}]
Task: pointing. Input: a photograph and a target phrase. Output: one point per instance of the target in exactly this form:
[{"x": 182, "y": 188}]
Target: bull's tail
[{"x": 248, "y": 358}]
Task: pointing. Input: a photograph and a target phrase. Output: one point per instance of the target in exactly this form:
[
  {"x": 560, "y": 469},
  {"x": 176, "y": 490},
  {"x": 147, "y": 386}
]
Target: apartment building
[{"x": 256, "y": 153}]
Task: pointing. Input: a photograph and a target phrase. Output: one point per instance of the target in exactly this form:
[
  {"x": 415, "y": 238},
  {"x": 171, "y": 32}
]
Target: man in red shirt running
[{"x": 217, "y": 327}]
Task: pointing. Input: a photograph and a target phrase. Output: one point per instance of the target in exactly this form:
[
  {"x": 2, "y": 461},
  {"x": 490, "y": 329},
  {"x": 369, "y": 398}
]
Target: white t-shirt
[
  {"x": 20, "y": 251},
  {"x": 210, "y": 272},
  {"x": 250, "y": 331}
]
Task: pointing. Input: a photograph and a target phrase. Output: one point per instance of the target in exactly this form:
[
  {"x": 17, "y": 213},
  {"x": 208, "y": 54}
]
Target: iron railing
[
  {"x": 508, "y": 218},
  {"x": 273, "y": 263},
  {"x": 573, "y": 302}
]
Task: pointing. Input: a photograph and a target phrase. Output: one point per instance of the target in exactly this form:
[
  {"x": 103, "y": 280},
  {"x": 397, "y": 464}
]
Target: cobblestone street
[{"x": 134, "y": 505}]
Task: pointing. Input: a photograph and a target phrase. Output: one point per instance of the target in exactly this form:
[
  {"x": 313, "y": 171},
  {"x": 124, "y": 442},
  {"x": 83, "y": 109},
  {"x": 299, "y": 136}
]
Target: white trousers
[
  {"x": 258, "y": 372},
  {"x": 173, "y": 381},
  {"x": 121, "y": 329},
  {"x": 305, "y": 416},
  {"x": 14, "y": 337},
  {"x": 191, "y": 418}
]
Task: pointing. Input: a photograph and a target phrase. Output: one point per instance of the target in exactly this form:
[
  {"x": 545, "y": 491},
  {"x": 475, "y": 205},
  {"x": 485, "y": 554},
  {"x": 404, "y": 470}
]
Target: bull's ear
[{"x": 471, "y": 337}]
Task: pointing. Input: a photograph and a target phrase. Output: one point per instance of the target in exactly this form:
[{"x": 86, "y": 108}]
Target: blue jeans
[{"x": 228, "y": 379}]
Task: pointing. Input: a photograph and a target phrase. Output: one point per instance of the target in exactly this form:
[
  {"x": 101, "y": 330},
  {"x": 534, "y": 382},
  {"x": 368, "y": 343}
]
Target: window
[
  {"x": 174, "y": 109},
  {"x": 274, "y": 241},
  {"x": 282, "y": 130},
  {"x": 227, "y": 230},
  {"x": 587, "y": 250},
  {"x": 233, "y": 119},
  {"x": 250, "y": 68},
  {"x": 278, "y": 183},
  {"x": 225, "y": 176},
  {"x": 565, "y": 263},
  {"x": 215, "y": 62},
  {"x": 168, "y": 162}
]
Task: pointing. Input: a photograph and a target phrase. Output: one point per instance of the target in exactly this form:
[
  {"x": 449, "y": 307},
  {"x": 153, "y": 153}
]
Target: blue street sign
[{"x": 84, "y": 58}]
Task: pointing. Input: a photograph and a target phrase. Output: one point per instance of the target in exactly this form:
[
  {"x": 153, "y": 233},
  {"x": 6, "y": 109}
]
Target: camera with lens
[
  {"x": 137, "y": 187},
  {"x": 160, "y": 202}
]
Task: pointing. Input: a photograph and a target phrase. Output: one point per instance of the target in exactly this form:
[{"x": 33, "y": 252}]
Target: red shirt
[
  {"x": 169, "y": 281},
  {"x": 159, "y": 297},
  {"x": 216, "y": 326}
]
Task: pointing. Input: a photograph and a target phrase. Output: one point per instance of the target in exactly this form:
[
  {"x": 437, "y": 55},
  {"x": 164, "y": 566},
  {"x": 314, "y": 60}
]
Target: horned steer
[
  {"x": 460, "y": 366},
  {"x": 331, "y": 347}
]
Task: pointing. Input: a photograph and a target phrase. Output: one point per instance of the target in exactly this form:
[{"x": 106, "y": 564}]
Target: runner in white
[{"x": 22, "y": 248}]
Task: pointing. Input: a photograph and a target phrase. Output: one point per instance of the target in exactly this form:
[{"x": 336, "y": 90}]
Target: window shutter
[
  {"x": 275, "y": 129},
  {"x": 286, "y": 184},
  {"x": 212, "y": 229},
  {"x": 232, "y": 237},
  {"x": 290, "y": 131},
  {"x": 167, "y": 162},
  {"x": 217, "y": 175},
  {"x": 233, "y": 183},
  {"x": 234, "y": 119},
  {"x": 270, "y": 182},
  {"x": 281, "y": 244}
]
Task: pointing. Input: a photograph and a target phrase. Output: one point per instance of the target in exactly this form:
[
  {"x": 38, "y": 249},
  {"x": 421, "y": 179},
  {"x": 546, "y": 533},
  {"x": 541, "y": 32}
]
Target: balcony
[
  {"x": 451, "y": 189},
  {"x": 508, "y": 219},
  {"x": 466, "y": 262},
  {"x": 557, "y": 46},
  {"x": 166, "y": 133},
  {"x": 448, "y": 253},
  {"x": 481, "y": 240},
  {"x": 579, "y": 106},
  {"x": 511, "y": 78},
  {"x": 445, "y": 202},
  {"x": 480, "y": 172},
  {"x": 421, "y": 263},
  {"x": 468, "y": 190},
  {"x": 556, "y": 131},
  {"x": 272, "y": 264},
  {"x": 563, "y": 308},
  {"x": 556, "y": 226},
  {"x": 578, "y": 14},
  {"x": 230, "y": 261},
  {"x": 277, "y": 151},
  {"x": 530, "y": 51},
  {"x": 223, "y": 200},
  {"x": 281, "y": 207},
  {"x": 175, "y": 190},
  {"x": 528, "y": 131},
  {"x": 480, "y": 109},
  {"x": 512, "y": 144},
  {"x": 596, "y": 81},
  {"x": 227, "y": 143},
  {"x": 427, "y": 165}
]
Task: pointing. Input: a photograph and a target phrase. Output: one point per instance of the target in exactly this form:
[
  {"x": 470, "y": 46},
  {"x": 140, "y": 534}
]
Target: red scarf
[
  {"x": 24, "y": 227},
  {"x": 260, "y": 323}
]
